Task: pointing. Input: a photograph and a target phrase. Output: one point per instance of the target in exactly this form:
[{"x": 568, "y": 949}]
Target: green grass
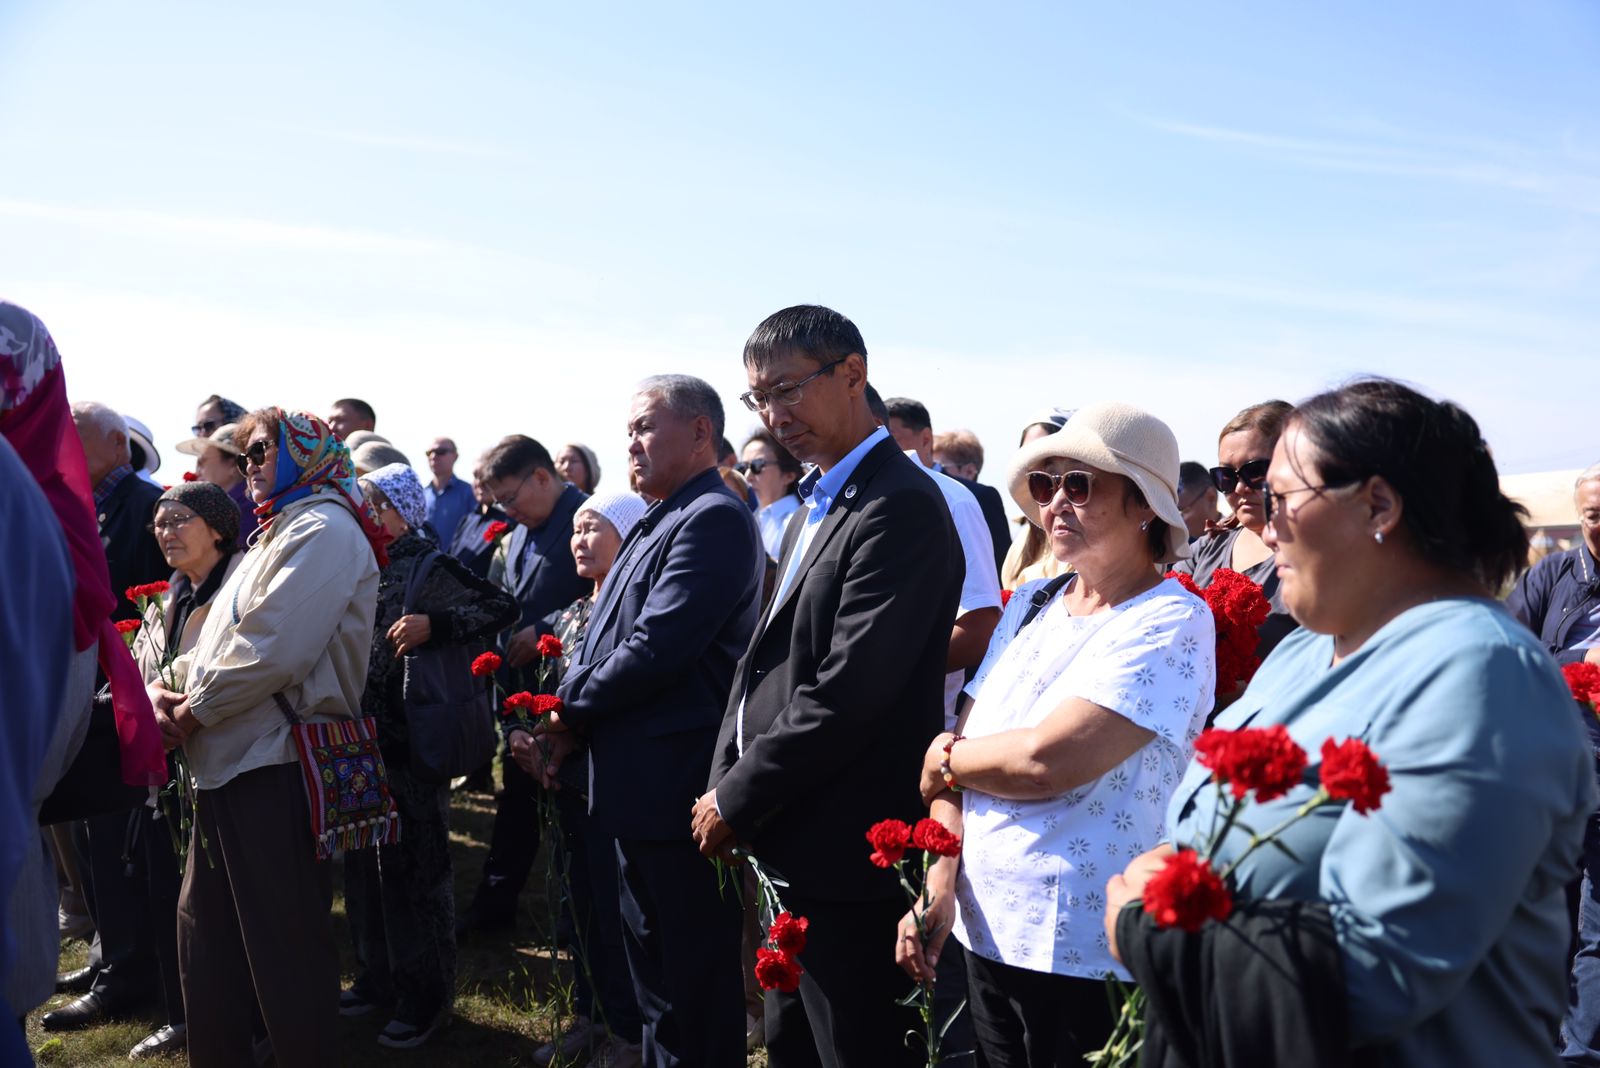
[{"x": 505, "y": 1005}]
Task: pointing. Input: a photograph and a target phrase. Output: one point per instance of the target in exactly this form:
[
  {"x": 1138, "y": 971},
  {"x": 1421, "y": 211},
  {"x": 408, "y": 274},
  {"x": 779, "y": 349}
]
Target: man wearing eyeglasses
[
  {"x": 839, "y": 693},
  {"x": 541, "y": 575}
]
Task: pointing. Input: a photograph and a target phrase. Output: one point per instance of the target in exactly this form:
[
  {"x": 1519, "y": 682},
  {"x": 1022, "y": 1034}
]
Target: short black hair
[
  {"x": 875, "y": 405},
  {"x": 725, "y": 448},
  {"x": 786, "y": 461},
  {"x": 515, "y": 456},
  {"x": 362, "y": 408},
  {"x": 1190, "y": 475},
  {"x": 914, "y": 414},
  {"x": 817, "y": 333}
]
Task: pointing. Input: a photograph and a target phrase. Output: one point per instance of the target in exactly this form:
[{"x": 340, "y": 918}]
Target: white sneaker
[
  {"x": 575, "y": 1040},
  {"x": 615, "y": 1053}
]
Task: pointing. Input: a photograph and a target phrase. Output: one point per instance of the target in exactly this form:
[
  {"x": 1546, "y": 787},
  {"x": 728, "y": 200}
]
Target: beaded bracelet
[{"x": 944, "y": 765}]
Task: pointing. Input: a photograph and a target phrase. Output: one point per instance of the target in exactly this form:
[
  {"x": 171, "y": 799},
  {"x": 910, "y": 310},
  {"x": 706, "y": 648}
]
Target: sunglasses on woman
[
  {"x": 255, "y": 454},
  {"x": 751, "y": 467},
  {"x": 1252, "y": 474},
  {"x": 1042, "y": 486}
]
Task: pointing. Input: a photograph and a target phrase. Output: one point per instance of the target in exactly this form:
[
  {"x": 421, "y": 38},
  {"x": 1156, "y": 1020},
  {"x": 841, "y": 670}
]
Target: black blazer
[
  {"x": 994, "y": 514},
  {"x": 843, "y": 687},
  {"x": 547, "y": 580},
  {"x": 131, "y": 550},
  {"x": 650, "y": 681},
  {"x": 467, "y": 544}
]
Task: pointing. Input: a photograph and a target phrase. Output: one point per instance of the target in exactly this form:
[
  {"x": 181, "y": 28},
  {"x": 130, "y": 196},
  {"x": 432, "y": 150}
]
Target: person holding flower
[
  {"x": 400, "y": 895},
  {"x": 1081, "y": 719},
  {"x": 1422, "y": 925}
]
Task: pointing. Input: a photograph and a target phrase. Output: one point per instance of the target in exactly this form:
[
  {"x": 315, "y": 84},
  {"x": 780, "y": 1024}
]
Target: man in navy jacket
[{"x": 648, "y": 687}]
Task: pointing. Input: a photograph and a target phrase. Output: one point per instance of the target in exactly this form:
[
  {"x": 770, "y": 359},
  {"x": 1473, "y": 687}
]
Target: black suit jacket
[
  {"x": 546, "y": 579},
  {"x": 994, "y": 514},
  {"x": 131, "y": 551},
  {"x": 649, "y": 683},
  {"x": 843, "y": 686}
]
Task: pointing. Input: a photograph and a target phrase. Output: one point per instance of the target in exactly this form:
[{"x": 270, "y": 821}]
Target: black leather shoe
[
  {"x": 76, "y": 982},
  {"x": 76, "y": 1015}
]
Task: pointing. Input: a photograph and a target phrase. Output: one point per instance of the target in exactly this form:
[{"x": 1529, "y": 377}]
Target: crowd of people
[{"x": 750, "y": 657}]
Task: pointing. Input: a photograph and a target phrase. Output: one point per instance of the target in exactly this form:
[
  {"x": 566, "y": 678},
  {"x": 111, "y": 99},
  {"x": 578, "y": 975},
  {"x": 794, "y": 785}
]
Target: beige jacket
[
  {"x": 296, "y": 617},
  {"x": 150, "y": 645}
]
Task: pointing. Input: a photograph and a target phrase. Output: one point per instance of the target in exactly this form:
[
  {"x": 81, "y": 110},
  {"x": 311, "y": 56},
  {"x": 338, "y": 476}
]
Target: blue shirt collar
[
  {"x": 103, "y": 491},
  {"x": 818, "y": 490}
]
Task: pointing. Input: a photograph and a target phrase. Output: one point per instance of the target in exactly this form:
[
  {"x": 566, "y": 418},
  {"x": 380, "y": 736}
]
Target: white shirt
[
  {"x": 981, "y": 587},
  {"x": 771, "y": 520},
  {"x": 1033, "y": 873}
]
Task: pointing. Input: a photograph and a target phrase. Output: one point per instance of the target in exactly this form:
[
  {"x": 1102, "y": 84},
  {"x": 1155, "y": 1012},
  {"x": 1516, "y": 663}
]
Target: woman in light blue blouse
[{"x": 1445, "y": 908}]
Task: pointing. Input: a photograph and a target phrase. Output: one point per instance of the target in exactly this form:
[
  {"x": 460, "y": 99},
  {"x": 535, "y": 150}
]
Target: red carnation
[
  {"x": 139, "y": 594},
  {"x": 1583, "y": 679},
  {"x": 486, "y": 664},
  {"x": 1265, "y": 760},
  {"x": 889, "y": 840},
  {"x": 545, "y": 703},
  {"x": 788, "y": 933},
  {"x": 494, "y": 530},
  {"x": 1187, "y": 583},
  {"x": 1186, "y": 892},
  {"x": 1005, "y": 598},
  {"x": 128, "y": 628},
  {"x": 190, "y": 476},
  {"x": 776, "y": 970},
  {"x": 1351, "y": 772},
  {"x": 549, "y": 646},
  {"x": 931, "y": 835},
  {"x": 523, "y": 700}
]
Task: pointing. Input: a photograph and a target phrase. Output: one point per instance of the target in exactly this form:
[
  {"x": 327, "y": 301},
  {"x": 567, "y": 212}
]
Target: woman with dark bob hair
[{"x": 1432, "y": 930}]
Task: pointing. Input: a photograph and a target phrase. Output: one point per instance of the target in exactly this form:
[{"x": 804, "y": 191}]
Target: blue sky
[{"x": 489, "y": 218}]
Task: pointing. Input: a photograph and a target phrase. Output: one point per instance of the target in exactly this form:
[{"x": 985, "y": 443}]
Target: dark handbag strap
[
  {"x": 287, "y": 709},
  {"x": 1043, "y": 596},
  {"x": 418, "y": 575}
]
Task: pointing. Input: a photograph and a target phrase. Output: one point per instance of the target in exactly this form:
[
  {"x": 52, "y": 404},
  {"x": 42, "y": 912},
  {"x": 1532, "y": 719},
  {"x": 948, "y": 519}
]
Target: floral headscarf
[
  {"x": 310, "y": 456},
  {"x": 399, "y": 483}
]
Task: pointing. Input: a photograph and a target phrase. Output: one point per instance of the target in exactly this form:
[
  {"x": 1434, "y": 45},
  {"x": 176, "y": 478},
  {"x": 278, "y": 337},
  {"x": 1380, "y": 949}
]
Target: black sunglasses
[
  {"x": 203, "y": 430},
  {"x": 256, "y": 454},
  {"x": 1253, "y": 474},
  {"x": 752, "y": 467},
  {"x": 1278, "y": 503},
  {"x": 1042, "y": 487}
]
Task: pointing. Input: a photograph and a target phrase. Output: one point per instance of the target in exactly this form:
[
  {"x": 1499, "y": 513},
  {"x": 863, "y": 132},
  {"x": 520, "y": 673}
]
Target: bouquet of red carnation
[
  {"x": 1238, "y": 607},
  {"x": 1583, "y": 679},
  {"x": 890, "y": 839},
  {"x": 1189, "y": 891}
]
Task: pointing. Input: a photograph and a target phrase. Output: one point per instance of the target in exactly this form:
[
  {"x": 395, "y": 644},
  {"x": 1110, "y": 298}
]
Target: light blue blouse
[{"x": 1449, "y": 901}]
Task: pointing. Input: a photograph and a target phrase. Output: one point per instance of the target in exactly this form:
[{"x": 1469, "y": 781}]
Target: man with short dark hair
[
  {"x": 539, "y": 572},
  {"x": 839, "y": 693},
  {"x": 1197, "y": 497},
  {"x": 446, "y": 497},
  {"x": 349, "y": 415},
  {"x": 647, "y": 688},
  {"x": 908, "y": 421}
]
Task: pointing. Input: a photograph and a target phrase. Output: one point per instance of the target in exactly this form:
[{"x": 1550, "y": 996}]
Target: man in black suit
[
  {"x": 839, "y": 692},
  {"x": 912, "y": 428},
  {"x": 647, "y": 687},
  {"x": 521, "y": 478},
  {"x": 122, "y": 965}
]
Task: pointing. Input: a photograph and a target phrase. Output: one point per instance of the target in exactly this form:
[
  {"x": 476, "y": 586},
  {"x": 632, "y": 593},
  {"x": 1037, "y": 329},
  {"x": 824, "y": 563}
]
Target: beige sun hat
[
  {"x": 221, "y": 438},
  {"x": 1119, "y": 438}
]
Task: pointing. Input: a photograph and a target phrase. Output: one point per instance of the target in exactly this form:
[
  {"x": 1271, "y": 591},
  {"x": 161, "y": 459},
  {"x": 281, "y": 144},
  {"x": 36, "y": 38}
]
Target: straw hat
[{"x": 1121, "y": 439}]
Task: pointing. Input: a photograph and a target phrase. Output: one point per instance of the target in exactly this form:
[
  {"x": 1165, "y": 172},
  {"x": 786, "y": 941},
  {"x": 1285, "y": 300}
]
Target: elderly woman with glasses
[
  {"x": 773, "y": 472},
  {"x": 400, "y": 895},
  {"x": 1433, "y": 929},
  {"x": 1078, "y": 724},
  {"x": 293, "y": 625}
]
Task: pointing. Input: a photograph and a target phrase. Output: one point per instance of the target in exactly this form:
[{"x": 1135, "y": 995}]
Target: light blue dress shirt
[{"x": 1449, "y": 901}]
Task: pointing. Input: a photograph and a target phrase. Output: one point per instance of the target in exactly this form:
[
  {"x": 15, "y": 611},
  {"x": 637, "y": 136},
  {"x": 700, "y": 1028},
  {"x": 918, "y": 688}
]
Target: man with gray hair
[
  {"x": 1559, "y": 600},
  {"x": 647, "y": 688}
]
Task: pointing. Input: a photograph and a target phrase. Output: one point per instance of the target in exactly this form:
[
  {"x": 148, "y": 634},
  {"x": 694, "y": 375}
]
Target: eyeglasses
[
  {"x": 254, "y": 454},
  {"x": 505, "y": 502},
  {"x": 1273, "y": 503},
  {"x": 1252, "y": 474},
  {"x": 752, "y": 467},
  {"x": 169, "y": 526},
  {"x": 759, "y": 400},
  {"x": 203, "y": 430},
  {"x": 1042, "y": 486}
]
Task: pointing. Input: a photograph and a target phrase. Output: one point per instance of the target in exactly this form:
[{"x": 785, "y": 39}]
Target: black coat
[
  {"x": 1554, "y": 599},
  {"x": 650, "y": 681},
  {"x": 994, "y": 515},
  {"x": 131, "y": 550},
  {"x": 843, "y": 688},
  {"x": 546, "y": 580}
]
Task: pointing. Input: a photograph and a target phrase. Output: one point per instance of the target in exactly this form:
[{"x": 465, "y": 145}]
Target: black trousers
[
  {"x": 513, "y": 844},
  {"x": 116, "y": 888},
  {"x": 1028, "y": 1019},
  {"x": 165, "y": 880},
  {"x": 681, "y": 935},
  {"x": 844, "y": 1014},
  {"x": 592, "y": 921}
]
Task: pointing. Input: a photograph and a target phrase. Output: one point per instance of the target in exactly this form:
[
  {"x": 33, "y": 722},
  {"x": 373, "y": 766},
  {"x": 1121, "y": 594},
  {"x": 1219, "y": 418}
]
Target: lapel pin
[{"x": 849, "y": 492}]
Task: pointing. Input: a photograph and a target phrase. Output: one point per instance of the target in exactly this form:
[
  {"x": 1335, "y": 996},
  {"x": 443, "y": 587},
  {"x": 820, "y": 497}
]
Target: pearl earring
[
  {"x": 1378, "y": 537},
  {"x": 1145, "y": 525}
]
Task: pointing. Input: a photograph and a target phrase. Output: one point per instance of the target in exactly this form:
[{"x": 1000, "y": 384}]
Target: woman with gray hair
[{"x": 400, "y": 896}]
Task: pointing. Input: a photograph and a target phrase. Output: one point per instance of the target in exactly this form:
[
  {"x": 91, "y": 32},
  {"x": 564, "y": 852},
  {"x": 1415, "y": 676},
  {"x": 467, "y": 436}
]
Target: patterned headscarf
[
  {"x": 311, "y": 456},
  {"x": 399, "y": 483}
]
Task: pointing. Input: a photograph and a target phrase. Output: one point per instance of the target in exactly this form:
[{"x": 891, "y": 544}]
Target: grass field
[{"x": 503, "y": 1007}]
